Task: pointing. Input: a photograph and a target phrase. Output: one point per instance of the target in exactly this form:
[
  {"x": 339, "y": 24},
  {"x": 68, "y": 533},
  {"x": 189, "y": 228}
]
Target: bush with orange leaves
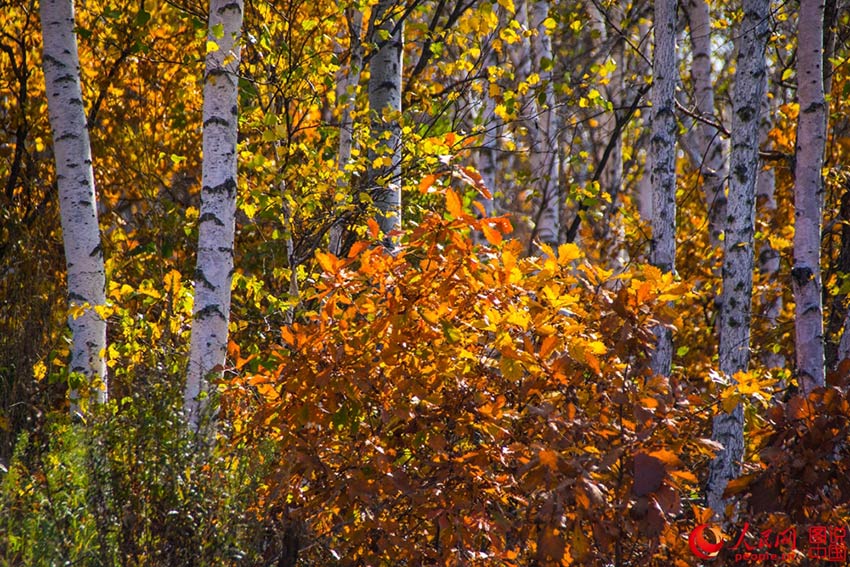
[{"x": 455, "y": 404}]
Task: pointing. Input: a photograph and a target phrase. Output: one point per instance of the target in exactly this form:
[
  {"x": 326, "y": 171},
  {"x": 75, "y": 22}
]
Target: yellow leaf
[
  {"x": 212, "y": 46},
  {"x": 172, "y": 281},
  {"x": 39, "y": 371},
  {"x": 567, "y": 253},
  {"x": 597, "y": 347},
  {"x": 508, "y": 5},
  {"x": 453, "y": 204}
]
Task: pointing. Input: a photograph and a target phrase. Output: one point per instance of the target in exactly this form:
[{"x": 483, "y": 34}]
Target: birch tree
[
  {"x": 214, "y": 268},
  {"x": 347, "y": 95},
  {"x": 738, "y": 242},
  {"x": 662, "y": 158},
  {"x": 491, "y": 125},
  {"x": 709, "y": 142},
  {"x": 808, "y": 197},
  {"x": 77, "y": 198},
  {"x": 545, "y": 154},
  {"x": 385, "y": 106}
]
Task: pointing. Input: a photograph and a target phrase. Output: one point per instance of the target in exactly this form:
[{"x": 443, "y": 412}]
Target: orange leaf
[
  {"x": 427, "y": 182},
  {"x": 667, "y": 457},
  {"x": 493, "y": 236},
  {"x": 328, "y": 261},
  {"x": 474, "y": 178},
  {"x": 374, "y": 229},
  {"x": 357, "y": 248},
  {"x": 548, "y": 345},
  {"x": 453, "y": 204},
  {"x": 548, "y": 458},
  {"x": 739, "y": 484}
]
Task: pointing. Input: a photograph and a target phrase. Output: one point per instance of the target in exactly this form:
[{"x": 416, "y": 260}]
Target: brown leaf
[{"x": 649, "y": 473}]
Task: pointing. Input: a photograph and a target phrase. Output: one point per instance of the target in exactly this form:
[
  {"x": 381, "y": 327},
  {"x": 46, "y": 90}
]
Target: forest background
[{"x": 422, "y": 282}]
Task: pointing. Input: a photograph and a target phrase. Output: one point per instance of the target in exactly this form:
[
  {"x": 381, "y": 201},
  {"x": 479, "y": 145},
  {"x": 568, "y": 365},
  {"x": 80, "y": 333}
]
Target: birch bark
[
  {"x": 347, "y": 95},
  {"x": 214, "y": 269},
  {"x": 488, "y": 164},
  {"x": 544, "y": 154},
  {"x": 738, "y": 256},
  {"x": 385, "y": 104},
  {"x": 808, "y": 197},
  {"x": 710, "y": 144},
  {"x": 662, "y": 157},
  {"x": 77, "y": 198}
]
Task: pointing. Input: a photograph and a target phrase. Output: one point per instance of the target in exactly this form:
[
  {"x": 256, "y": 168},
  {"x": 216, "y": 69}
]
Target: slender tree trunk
[
  {"x": 643, "y": 187},
  {"x": 662, "y": 158},
  {"x": 611, "y": 179},
  {"x": 545, "y": 154},
  {"x": 347, "y": 97},
  {"x": 738, "y": 243},
  {"x": 768, "y": 256},
  {"x": 77, "y": 199},
  {"x": 214, "y": 270},
  {"x": 487, "y": 163},
  {"x": 808, "y": 197},
  {"x": 711, "y": 146},
  {"x": 385, "y": 105}
]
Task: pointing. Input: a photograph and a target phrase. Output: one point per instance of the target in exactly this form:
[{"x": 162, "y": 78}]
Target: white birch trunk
[
  {"x": 347, "y": 98},
  {"x": 662, "y": 157},
  {"x": 711, "y": 146},
  {"x": 214, "y": 270},
  {"x": 738, "y": 257},
  {"x": 544, "y": 154},
  {"x": 488, "y": 165},
  {"x": 808, "y": 197},
  {"x": 643, "y": 188},
  {"x": 768, "y": 257},
  {"x": 77, "y": 199},
  {"x": 385, "y": 104}
]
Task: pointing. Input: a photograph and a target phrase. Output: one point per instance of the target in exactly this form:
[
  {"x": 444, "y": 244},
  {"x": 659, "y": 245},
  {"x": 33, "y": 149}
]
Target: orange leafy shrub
[{"x": 453, "y": 404}]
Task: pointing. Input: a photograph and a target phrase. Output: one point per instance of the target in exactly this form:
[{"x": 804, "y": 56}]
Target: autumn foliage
[{"x": 460, "y": 405}]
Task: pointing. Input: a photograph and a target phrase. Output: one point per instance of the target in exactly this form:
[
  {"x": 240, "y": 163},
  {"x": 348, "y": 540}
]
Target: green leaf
[{"x": 142, "y": 17}]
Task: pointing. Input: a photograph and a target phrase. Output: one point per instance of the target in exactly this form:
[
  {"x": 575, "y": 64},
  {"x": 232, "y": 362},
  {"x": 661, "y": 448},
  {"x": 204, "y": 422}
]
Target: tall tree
[
  {"x": 347, "y": 95},
  {"x": 662, "y": 157},
  {"x": 545, "y": 154},
  {"x": 77, "y": 198},
  {"x": 738, "y": 242},
  {"x": 487, "y": 162},
  {"x": 385, "y": 106},
  {"x": 217, "y": 222},
  {"x": 709, "y": 142},
  {"x": 808, "y": 196}
]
